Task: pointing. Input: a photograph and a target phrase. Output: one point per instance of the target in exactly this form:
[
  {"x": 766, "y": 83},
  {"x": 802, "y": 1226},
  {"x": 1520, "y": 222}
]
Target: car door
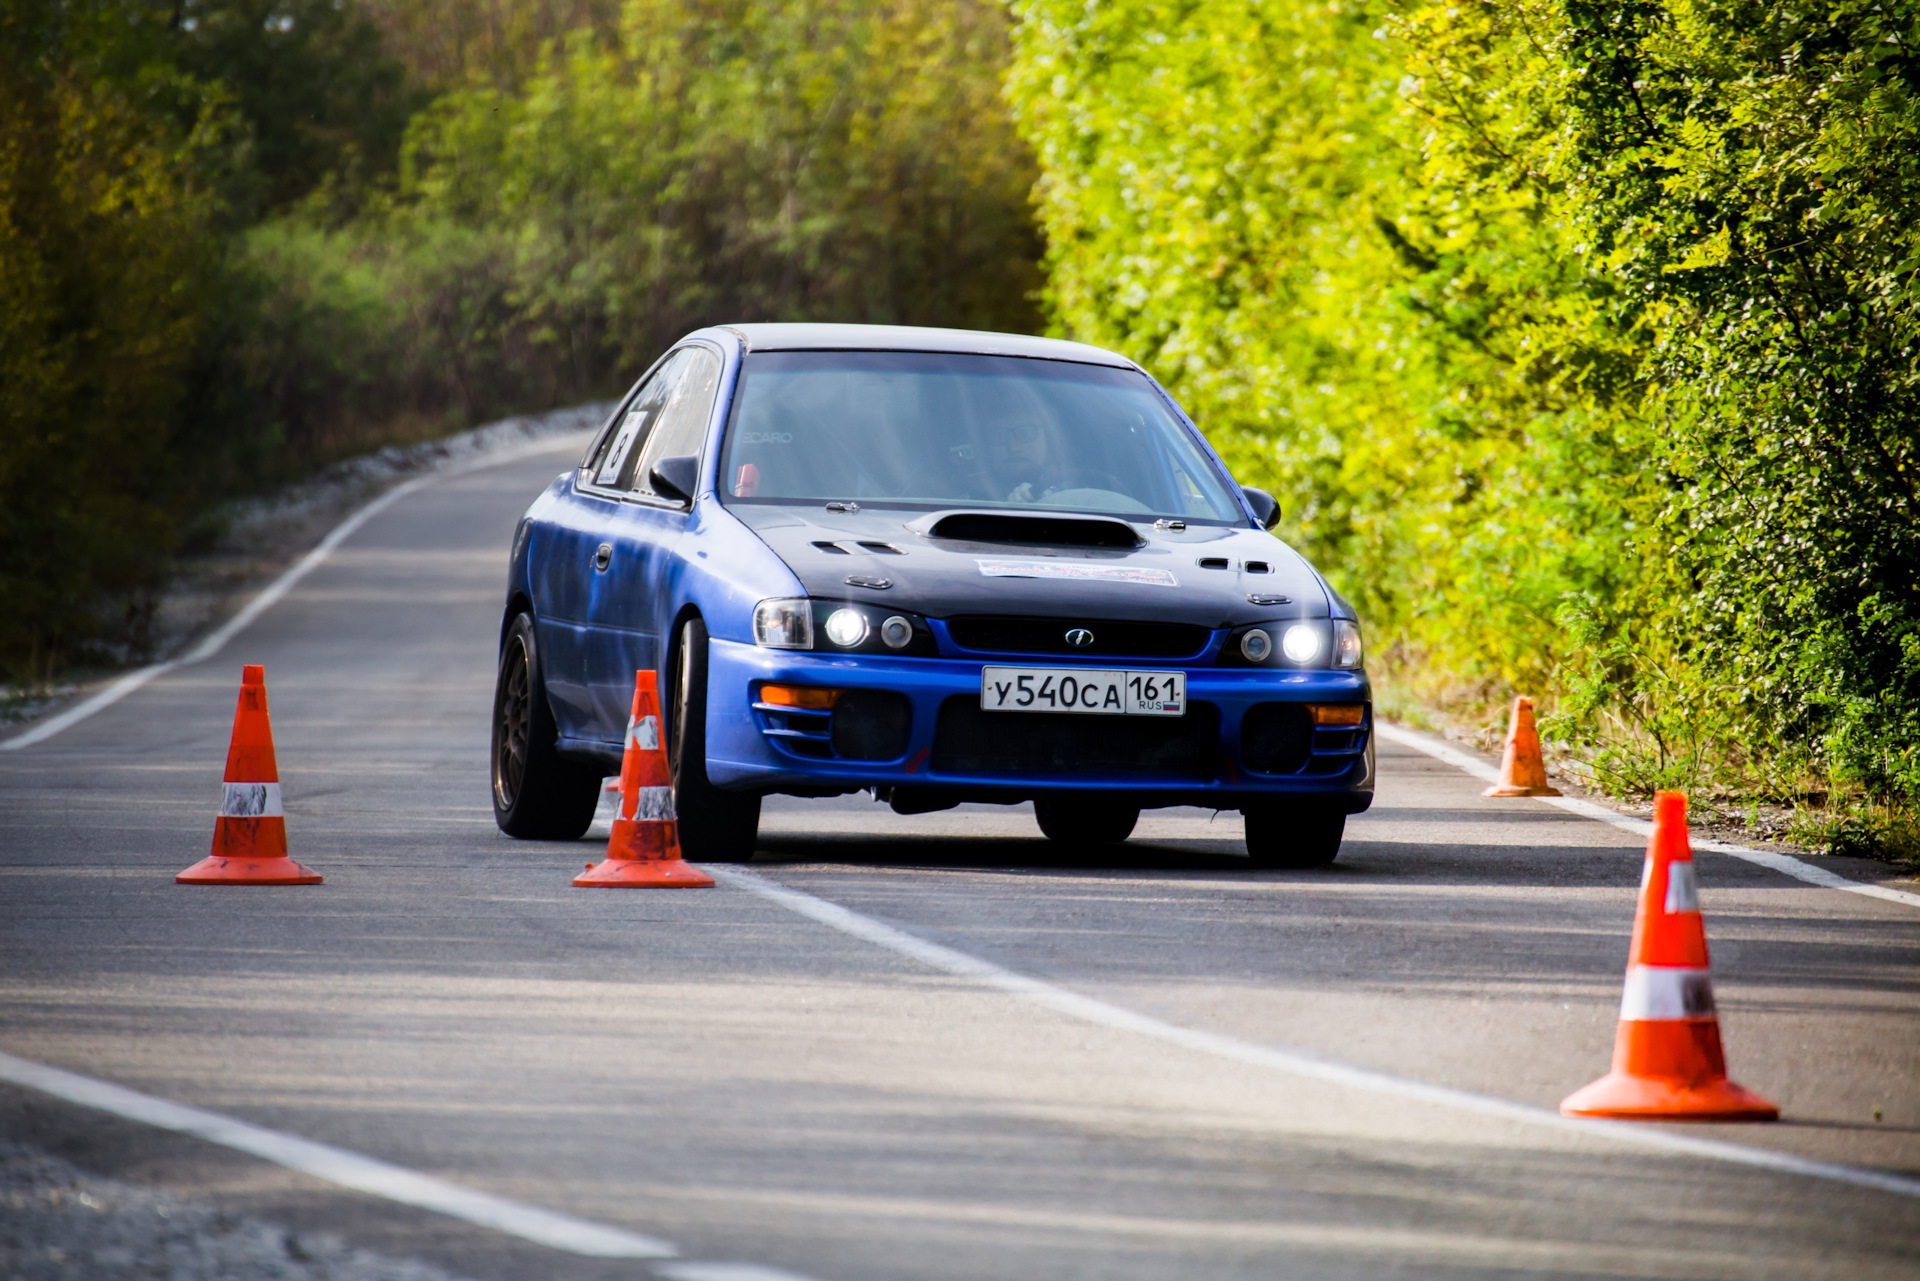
[
  {"x": 626, "y": 613},
  {"x": 570, "y": 554}
]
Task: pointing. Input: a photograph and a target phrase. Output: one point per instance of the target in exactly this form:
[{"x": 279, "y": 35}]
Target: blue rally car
[{"x": 940, "y": 565}]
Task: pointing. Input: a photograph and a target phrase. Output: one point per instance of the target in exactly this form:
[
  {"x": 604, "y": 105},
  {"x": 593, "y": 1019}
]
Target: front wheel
[
  {"x": 1291, "y": 836},
  {"x": 715, "y": 826},
  {"x": 537, "y": 794},
  {"x": 1085, "y": 821}
]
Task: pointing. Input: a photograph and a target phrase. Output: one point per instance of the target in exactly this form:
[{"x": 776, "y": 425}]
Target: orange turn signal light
[
  {"x": 806, "y": 698},
  {"x": 1346, "y": 714}
]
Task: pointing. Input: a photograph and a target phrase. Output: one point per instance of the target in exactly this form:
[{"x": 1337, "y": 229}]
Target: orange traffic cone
[
  {"x": 1667, "y": 1060},
  {"x": 1522, "y": 771},
  {"x": 645, "y": 847},
  {"x": 250, "y": 836}
]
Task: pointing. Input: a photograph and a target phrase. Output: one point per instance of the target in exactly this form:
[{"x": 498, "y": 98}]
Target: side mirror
[
  {"x": 1266, "y": 508},
  {"x": 676, "y": 477}
]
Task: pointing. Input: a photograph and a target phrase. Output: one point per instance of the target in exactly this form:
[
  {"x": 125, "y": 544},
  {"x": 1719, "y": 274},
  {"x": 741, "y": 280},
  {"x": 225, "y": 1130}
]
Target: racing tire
[
  {"x": 715, "y": 826},
  {"x": 1085, "y": 821},
  {"x": 1290, "y": 836},
  {"x": 538, "y": 795}
]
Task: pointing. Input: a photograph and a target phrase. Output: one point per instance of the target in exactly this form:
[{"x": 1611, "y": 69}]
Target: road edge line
[
  {"x": 268, "y": 597},
  {"x": 1785, "y": 864},
  {"x": 1293, "y": 1062},
  {"x": 341, "y": 1167}
]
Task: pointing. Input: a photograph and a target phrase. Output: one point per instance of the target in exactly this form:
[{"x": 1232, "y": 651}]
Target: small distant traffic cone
[
  {"x": 1667, "y": 1059},
  {"x": 250, "y": 836},
  {"x": 1522, "y": 771},
  {"x": 645, "y": 847}
]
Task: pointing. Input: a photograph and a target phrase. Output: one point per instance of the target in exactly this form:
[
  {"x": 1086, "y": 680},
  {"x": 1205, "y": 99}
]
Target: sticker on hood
[{"x": 1081, "y": 570}]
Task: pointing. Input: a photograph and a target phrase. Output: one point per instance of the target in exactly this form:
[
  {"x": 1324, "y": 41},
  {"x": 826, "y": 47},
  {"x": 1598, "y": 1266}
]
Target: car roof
[{"x": 785, "y": 337}]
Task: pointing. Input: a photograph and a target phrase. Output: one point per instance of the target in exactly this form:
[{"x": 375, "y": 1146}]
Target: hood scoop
[{"x": 1017, "y": 529}]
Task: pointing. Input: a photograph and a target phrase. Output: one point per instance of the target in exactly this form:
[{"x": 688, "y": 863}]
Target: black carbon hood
[{"x": 1205, "y": 574}]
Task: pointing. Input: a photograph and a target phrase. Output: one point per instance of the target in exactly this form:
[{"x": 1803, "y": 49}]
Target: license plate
[{"x": 1081, "y": 689}]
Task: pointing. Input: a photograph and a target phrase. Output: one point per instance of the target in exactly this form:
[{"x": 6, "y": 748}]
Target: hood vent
[{"x": 1031, "y": 531}]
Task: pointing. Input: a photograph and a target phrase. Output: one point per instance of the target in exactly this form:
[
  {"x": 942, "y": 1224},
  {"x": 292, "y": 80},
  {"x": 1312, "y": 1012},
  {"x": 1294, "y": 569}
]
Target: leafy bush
[{"x": 1579, "y": 338}]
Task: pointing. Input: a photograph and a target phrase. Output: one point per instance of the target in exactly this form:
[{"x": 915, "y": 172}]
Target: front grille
[
  {"x": 968, "y": 740},
  {"x": 1111, "y": 639}
]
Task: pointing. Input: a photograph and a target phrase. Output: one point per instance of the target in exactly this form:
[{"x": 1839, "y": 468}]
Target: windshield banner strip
[{"x": 1077, "y": 569}]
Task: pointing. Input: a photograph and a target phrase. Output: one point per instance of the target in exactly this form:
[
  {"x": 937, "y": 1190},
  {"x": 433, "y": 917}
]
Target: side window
[
  {"x": 681, "y": 425},
  {"x": 613, "y": 467}
]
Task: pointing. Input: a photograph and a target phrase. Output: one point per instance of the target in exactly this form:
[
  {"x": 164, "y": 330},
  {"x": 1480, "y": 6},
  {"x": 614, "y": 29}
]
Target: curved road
[{"x": 759, "y": 1080}]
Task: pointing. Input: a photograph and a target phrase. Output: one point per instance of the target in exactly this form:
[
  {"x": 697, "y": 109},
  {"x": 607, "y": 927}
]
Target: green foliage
[
  {"x": 824, "y": 160},
  {"x": 320, "y": 97},
  {"x": 1752, "y": 174},
  {"x": 1238, "y": 196},
  {"x": 103, "y": 303},
  {"x": 449, "y": 43},
  {"x": 235, "y": 242},
  {"x": 546, "y": 238},
  {"x": 1579, "y": 338}
]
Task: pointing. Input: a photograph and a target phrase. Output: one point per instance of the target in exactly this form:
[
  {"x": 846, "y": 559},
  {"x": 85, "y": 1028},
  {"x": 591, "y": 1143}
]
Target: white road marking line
[
  {"x": 724, "y": 1272},
  {"x": 217, "y": 640},
  {"x": 1784, "y": 864},
  {"x": 344, "y": 1168},
  {"x": 1292, "y": 1062}
]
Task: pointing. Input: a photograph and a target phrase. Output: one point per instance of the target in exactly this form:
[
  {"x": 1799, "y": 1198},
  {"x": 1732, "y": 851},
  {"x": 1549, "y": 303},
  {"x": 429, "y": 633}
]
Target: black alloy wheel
[
  {"x": 1086, "y": 820},
  {"x": 1283, "y": 835},
  {"x": 537, "y": 793},
  {"x": 715, "y": 826}
]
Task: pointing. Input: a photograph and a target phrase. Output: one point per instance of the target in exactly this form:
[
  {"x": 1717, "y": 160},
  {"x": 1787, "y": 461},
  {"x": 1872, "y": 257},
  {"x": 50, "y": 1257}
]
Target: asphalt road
[{"x": 753, "y": 1085}]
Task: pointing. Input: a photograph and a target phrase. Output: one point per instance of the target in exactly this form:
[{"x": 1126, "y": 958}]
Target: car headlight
[
  {"x": 784, "y": 624},
  {"x": 1301, "y": 643},
  {"x": 1346, "y": 644},
  {"x": 846, "y": 627},
  {"x": 1256, "y": 645},
  {"x": 897, "y": 632}
]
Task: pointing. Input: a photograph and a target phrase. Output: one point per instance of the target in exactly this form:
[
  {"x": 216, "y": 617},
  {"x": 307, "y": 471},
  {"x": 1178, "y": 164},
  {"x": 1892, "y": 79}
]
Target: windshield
[{"x": 979, "y": 431}]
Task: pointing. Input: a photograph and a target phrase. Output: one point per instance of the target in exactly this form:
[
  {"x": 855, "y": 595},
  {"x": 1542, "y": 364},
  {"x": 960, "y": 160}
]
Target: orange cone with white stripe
[
  {"x": 644, "y": 850},
  {"x": 250, "y": 836},
  {"x": 1667, "y": 1060},
  {"x": 1523, "y": 771}
]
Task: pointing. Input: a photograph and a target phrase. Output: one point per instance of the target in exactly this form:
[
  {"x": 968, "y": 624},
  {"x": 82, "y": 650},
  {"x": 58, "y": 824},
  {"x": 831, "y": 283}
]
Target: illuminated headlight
[
  {"x": 1256, "y": 645},
  {"x": 1346, "y": 644},
  {"x": 1301, "y": 643},
  {"x": 846, "y": 627},
  {"x": 784, "y": 624}
]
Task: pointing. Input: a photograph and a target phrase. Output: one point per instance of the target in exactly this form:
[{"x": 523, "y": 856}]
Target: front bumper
[{"x": 757, "y": 749}]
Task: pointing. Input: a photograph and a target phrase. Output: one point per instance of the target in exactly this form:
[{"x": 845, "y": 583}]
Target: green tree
[
  {"x": 318, "y": 92},
  {"x": 104, "y": 294}
]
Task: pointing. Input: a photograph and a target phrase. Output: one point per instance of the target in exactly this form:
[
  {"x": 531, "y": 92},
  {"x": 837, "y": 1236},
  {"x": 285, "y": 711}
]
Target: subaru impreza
[{"x": 936, "y": 565}]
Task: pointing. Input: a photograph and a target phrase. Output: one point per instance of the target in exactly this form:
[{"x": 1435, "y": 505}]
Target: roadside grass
[{"x": 1739, "y": 795}]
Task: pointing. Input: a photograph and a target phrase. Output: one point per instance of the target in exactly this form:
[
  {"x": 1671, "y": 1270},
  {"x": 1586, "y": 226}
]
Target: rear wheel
[
  {"x": 1284, "y": 836},
  {"x": 1086, "y": 820},
  {"x": 537, "y": 794},
  {"x": 715, "y": 826}
]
